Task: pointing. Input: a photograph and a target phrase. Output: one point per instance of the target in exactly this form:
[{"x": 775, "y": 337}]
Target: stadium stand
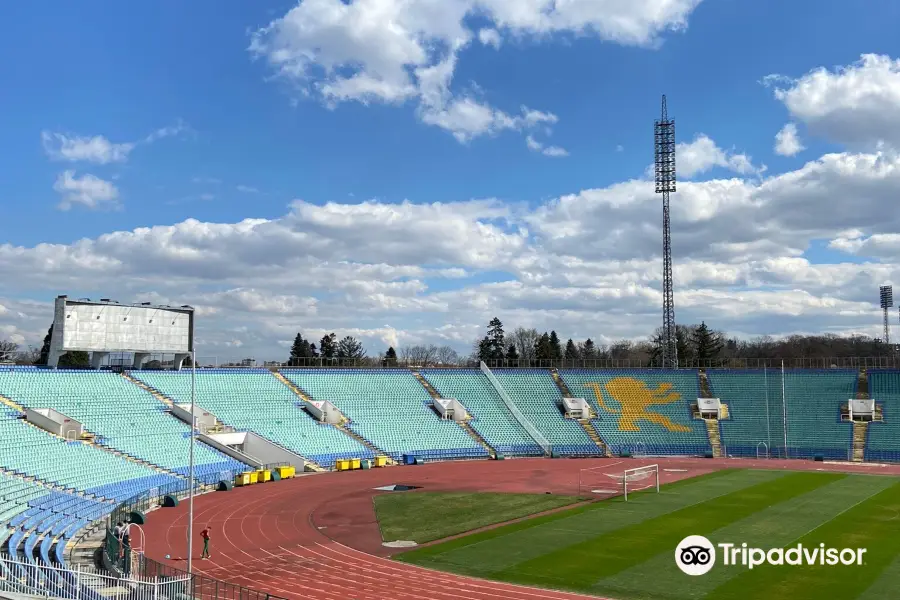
[
  {"x": 538, "y": 397},
  {"x": 490, "y": 417},
  {"x": 254, "y": 400},
  {"x": 124, "y": 416},
  {"x": 642, "y": 410},
  {"x": 391, "y": 409},
  {"x": 883, "y": 441},
  {"x": 812, "y": 400}
]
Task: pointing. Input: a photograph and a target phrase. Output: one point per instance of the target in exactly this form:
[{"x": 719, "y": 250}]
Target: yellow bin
[
  {"x": 242, "y": 479},
  {"x": 286, "y": 472},
  {"x": 380, "y": 461},
  {"x": 342, "y": 464},
  {"x": 264, "y": 475},
  {"x": 354, "y": 463},
  {"x": 254, "y": 477}
]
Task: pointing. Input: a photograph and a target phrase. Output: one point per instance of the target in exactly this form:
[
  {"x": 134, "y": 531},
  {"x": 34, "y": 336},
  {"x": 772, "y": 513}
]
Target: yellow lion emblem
[{"x": 635, "y": 398}]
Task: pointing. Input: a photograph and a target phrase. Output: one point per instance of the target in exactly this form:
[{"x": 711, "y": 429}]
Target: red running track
[{"x": 316, "y": 537}]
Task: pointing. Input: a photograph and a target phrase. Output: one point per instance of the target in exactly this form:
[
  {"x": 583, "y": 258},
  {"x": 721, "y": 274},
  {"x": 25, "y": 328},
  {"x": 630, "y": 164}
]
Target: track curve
[{"x": 316, "y": 537}]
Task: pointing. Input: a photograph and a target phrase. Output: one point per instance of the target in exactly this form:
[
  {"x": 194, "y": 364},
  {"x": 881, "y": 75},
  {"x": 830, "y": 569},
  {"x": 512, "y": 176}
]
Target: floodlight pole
[
  {"x": 190, "y": 531},
  {"x": 664, "y": 164},
  {"x": 886, "y": 294}
]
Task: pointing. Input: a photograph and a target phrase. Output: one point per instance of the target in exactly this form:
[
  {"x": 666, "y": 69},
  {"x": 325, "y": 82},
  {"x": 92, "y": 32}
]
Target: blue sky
[{"x": 232, "y": 138}]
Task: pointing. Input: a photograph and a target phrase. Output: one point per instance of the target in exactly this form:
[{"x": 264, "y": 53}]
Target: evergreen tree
[
  {"x": 588, "y": 351},
  {"x": 555, "y": 346},
  {"x": 390, "y": 358},
  {"x": 543, "y": 348},
  {"x": 312, "y": 351},
  {"x": 493, "y": 345},
  {"x": 707, "y": 344},
  {"x": 511, "y": 353},
  {"x": 328, "y": 345},
  {"x": 74, "y": 360},
  {"x": 45, "y": 348},
  {"x": 350, "y": 347},
  {"x": 571, "y": 350}
]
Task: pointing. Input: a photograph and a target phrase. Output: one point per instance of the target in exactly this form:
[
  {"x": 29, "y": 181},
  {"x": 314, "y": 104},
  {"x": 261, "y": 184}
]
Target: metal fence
[{"x": 38, "y": 579}]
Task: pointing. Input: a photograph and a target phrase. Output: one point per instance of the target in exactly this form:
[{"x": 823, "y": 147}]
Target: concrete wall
[
  {"x": 54, "y": 422},
  {"x": 324, "y": 411},
  {"x": 205, "y": 419},
  {"x": 253, "y": 449},
  {"x": 226, "y": 442}
]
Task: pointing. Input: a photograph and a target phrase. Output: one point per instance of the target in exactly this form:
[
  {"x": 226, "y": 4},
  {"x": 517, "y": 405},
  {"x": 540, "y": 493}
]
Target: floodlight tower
[
  {"x": 887, "y": 301},
  {"x": 664, "y": 146}
]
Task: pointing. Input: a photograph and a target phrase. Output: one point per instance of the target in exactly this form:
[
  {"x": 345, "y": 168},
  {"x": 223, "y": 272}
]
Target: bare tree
[
  {"x": 419, "y": 355},
  {"x": 445, "y": 355},
  {"x": 8, "y": 350},
  {"x": 525, "y": 341}
]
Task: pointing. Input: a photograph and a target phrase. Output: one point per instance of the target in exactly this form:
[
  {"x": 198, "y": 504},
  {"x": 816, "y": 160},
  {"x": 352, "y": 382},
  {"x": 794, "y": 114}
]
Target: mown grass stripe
[
  {"x": 497, "y": 549},
  {"x": 873, "y": 524},
  {"x": 580, "y": 566},
  {"x": 773, "y": 527},
  {"x": 886, "y": 586}
]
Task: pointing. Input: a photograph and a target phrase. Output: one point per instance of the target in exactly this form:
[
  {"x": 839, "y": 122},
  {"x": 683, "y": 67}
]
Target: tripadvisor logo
[{"x": 696, "y": 555}]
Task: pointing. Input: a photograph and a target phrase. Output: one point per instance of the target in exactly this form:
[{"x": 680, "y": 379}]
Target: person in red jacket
[{"x": 205, "y": 535}]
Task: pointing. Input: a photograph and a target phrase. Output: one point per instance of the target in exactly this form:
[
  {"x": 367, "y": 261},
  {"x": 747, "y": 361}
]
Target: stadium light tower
[
  {"x": 887, "y": 301},
  {"x": 664, "y": 151}
]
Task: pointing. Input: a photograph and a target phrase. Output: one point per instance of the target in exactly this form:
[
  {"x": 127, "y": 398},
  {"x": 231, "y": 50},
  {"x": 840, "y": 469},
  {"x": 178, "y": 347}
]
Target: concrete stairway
[
  {"x": 859, "y": 440},
  {"x": 156, "y": 393},
  {"x": 712, "y": 430},
  {"x": 554, "y": 373},
  {"x": 477, "y": 437},
  {"x": 292, "y": 387},
  {"x": 592, "y": 433},
  {"x": 431, "y": 391}
]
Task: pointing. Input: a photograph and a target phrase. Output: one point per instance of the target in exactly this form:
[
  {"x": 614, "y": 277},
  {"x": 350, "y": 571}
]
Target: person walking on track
[{"x": 205, "y": 535}]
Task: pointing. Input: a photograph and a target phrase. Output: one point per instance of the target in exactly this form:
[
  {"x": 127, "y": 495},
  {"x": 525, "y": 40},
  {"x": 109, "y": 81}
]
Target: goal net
[{"x": 605, "y": 483}]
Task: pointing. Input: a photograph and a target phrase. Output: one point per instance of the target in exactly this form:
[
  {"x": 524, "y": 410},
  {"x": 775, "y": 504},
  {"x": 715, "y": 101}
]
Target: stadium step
[
  {"x": 11, "y": 404},
  {"x": 378, "y": 451},
  {"x": 554, "y": 373},
  {"x": 156, "y": 393},
  {"x": 477, "y": 437},
  {"x": 860, "y": 428},
  {"x": 292, "y": 387},
  {"x": 712, "y": 430},
  {"x": 705, "y": 391},
  {"x": 862, "y": 389},
  {"x": 592, "y": 433},
  {"x": 431, "y": 391}
]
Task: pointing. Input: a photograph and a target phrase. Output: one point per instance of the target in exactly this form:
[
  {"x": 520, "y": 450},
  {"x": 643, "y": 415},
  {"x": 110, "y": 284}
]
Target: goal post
[{"x": 602, "y": 482}]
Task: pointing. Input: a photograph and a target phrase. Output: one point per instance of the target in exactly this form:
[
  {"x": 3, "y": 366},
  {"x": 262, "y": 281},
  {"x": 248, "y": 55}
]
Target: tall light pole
[
  {"x": 190, "y": 531},
  {"x": 664, "y": 154},
  {"x": 886, "y": 293}
]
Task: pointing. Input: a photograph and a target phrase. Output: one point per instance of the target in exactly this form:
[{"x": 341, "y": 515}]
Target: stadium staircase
[
  {"x": 592, "y": 433},
  {"x": 477, "y": 437},
  {"x": 862, "y": 388},
  {"x": 464, "y": 424},
  {"x": 563, "y": 388},
  {"x": 860, "y": 431},
  {"x": 712, "y": 425},
  {"x": 342, "y": 426},
  {"x": 156, "y": 393},
  {"x": 12, "y": 404}
]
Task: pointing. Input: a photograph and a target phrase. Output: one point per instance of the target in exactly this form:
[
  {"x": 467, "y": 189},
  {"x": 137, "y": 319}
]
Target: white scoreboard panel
[{"x": 112, "y": 327}]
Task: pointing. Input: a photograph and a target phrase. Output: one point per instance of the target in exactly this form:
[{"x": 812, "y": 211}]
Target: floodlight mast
[
  {"x": 664, "y": 153},
  {"x": 886, "y": 292}
]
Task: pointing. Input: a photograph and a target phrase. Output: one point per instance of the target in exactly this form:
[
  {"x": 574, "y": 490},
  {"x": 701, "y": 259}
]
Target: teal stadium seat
[
  {"x": 642, "y": 411},
  {"x": 123, "y": 416},
  {"x": 539, "y": 399},
  {"x": 389, "y": 408},
  {"x": 254, "y": 400},
  {"x": 811, "y": 409},
  {"x": 883, "y": 441},
  {"x": 490, "y": 416}
]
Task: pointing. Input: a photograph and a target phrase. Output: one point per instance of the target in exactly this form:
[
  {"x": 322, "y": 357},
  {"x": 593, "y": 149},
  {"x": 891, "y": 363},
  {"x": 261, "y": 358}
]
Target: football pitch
[{"x": 626, "y": 550}]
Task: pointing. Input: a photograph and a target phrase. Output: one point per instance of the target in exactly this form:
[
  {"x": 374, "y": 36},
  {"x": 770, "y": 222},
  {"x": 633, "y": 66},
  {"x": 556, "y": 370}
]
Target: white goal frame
[{"x": 626, "y": 481}]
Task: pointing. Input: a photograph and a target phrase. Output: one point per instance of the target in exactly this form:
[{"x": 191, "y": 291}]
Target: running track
[{"x": 315, "y": 537}]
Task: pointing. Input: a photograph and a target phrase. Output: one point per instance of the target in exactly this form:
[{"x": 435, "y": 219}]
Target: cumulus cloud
[
  {"x": 88, "y": 191},
  {"x": 394, "y": 51},
  {"x": 787, "y": 141},
  {"x": 702, "y": 154},
  {"x": 856, "y": 104},
  {"x": 96, "y": 149},
  {"x": 536, "y": 146},
  {"x": 585, "y": 264}
]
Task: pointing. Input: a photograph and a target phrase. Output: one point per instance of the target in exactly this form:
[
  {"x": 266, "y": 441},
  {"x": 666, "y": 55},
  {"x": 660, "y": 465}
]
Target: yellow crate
[
  {"x": 286, "y": 472},
  {"x": 264, "y": 475},
  {"x": 242, "y": 479},
  {"x": 342, "y": 464},
  {"x": 381, "y": 461},
  {"x": 254, "y": 477},
  {"x": 355, "y": 463}
]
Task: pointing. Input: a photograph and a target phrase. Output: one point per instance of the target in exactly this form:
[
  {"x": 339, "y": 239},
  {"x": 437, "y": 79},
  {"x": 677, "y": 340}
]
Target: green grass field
[{"x": 626, "y": 550}]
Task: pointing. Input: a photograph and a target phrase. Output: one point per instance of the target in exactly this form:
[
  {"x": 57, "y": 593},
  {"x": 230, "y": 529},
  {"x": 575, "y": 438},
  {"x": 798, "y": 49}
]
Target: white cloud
[
  {"x": 88, "y": 190},
  {"x": 96, "y": 149},
  {"x": 537, "y": 146},
  {"x": 489, "y": 37},
  {"x": 585, "y": 264},
  {"x": 787, "y": 141},
  {"x": 394, "y": 51},
  {"x": 702, "y": 154},
  {"x": 854, "y": 104},
  {"x": 247, "y": 189},
  {"x": 170, "y": 131}
]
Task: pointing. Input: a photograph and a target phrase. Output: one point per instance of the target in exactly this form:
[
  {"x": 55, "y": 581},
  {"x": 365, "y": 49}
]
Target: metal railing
[{"x": 536, "y": 435}]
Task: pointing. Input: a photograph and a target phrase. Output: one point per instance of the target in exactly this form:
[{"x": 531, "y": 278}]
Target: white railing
[
  {"x": 536, "y": 435},
  {"x": 39, "y": 579}
]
